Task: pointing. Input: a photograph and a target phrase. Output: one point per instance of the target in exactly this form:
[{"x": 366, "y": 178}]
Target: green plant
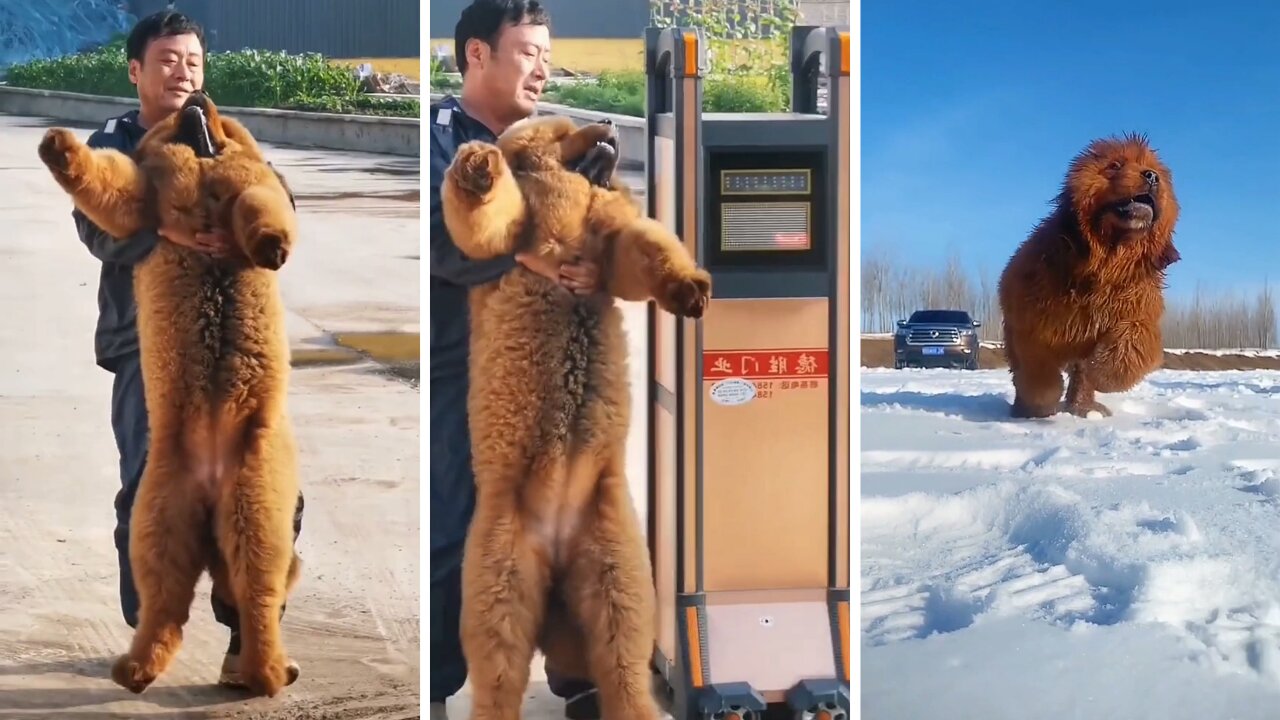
[
  {"x": 101, "y": 72},
  {"x": 621, "y": 93},
  {"x": 745, "y": 39},
  {"x": 244, "y": 78},
  {"x": 257, "y": 78},
  {"x": 624, "y": 93}
]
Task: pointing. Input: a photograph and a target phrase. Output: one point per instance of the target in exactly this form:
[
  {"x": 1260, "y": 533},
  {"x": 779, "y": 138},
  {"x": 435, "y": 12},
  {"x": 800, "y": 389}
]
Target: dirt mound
[{"x": 878, "y": 353}]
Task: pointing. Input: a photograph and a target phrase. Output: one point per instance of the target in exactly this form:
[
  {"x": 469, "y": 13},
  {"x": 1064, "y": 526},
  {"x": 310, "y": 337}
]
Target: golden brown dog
[
  {"x": 555, "y": 557},
  {"x": 220, "y": 484},
  {"x": 1084, "y": 293}
]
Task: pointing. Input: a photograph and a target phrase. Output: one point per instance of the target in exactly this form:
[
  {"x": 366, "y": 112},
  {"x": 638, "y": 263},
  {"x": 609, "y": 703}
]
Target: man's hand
[
  {"x": 581, "y": 277},
  {"x": 216, "y": 243}
]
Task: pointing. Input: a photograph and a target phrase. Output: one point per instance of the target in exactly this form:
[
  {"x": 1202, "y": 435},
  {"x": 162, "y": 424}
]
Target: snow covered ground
[{"x": 1123, "y": 568}]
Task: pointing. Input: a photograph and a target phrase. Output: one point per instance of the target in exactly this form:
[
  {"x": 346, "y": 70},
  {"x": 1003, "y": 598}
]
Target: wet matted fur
[
  {"x": 1084, "y": 293},
  {"x": 220, "y": 484},
  {"x": 555, "y": 557}
]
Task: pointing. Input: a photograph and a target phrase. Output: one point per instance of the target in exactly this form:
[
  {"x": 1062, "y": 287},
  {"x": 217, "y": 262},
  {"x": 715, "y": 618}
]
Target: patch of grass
[
  {"x": 623, "y": 93},
  {"x": 748, "y": 60},
  {"x": 243, "y": 78}
]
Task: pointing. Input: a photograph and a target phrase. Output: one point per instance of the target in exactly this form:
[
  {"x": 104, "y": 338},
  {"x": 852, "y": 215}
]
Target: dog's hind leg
[
  {"x": 609, "y": 586},
  {"x": 1080, "y": 394},
  {"x": 167, "y": 549},
  {"x": 504, "y": 590},
  {"x": 255, "y": 534}
]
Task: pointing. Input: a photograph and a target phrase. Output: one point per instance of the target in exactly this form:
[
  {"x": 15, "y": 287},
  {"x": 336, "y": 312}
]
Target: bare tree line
[{"x": 892, "y": 290}]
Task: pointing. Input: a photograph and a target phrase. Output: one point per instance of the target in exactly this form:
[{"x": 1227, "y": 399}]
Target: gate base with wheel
[{"x": 749, "y": 406}]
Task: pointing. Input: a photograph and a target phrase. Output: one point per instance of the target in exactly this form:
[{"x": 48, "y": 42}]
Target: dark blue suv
[{"x": 937, "y": 338}]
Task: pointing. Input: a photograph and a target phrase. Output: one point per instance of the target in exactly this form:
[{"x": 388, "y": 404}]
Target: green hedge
[
  {"x": 623, "y": 93},
  {"x": 244, "y": 78}
]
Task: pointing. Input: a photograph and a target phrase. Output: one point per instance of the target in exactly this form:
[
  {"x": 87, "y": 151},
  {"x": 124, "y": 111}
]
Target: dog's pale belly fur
[
  {"x": 554, "y": 370},
  {"x": 226, "y": 387}
]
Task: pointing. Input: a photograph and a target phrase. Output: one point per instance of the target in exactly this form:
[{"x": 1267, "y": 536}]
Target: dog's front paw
[
  {"x": 1083, "y": 408},
  {"x": 58, "y": 150},
  {"x": 478, "y": 166},
  {"x": 688, "y": 296},
  {"x": 271, "y": 677},
  {"x": 269, "y": 250},
  {"x": 129, "y": 675}
]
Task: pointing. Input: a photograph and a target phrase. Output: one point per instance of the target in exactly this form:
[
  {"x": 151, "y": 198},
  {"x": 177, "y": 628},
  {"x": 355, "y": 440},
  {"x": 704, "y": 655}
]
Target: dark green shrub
[
  {"x": 748, "y": 58},
  {"x": 621, "y": 93},
  {"x": 102, "y": 72},
  {"x": 257, "y": 78},
  {"x": 244, "y": 78},
  {"x": 624, "y": 94}
]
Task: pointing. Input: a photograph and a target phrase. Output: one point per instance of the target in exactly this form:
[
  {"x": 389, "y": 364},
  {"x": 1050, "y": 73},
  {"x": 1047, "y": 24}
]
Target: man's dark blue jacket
[{"x": 452, "y": 273}]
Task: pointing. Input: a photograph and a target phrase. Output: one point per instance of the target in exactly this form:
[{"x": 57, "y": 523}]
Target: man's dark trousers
[
  {"x": 129, "y": 421},
  {"x": 452, "y": 503}
]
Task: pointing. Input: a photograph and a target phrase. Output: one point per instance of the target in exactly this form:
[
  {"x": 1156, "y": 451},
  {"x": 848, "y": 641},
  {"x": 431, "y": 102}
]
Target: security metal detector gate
[{"x": 749, "y": 407}]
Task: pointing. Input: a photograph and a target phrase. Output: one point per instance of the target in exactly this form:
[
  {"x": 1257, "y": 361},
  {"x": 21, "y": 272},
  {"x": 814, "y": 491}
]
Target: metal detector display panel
[
  {"x": 765, "y": 227},
  {"x": 766, "y": 208},
  {"x": 766, "y": 182}
]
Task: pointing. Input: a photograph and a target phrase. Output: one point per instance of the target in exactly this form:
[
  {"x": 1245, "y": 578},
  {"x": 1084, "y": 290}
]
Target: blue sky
[{"x": 972, "y": 110}]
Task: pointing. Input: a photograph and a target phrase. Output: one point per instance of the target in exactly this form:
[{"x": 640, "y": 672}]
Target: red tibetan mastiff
[{"x": 1084, "y": 293}]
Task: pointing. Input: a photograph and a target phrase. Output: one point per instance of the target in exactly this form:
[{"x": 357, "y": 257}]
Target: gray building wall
[
  {"x": 569, "y": 18},
  {"x": 336, "y": 28}
]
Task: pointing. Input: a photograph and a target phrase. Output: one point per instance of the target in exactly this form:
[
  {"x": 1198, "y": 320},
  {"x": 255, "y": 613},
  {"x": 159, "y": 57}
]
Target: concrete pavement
[{"x": 353, "y": 623}]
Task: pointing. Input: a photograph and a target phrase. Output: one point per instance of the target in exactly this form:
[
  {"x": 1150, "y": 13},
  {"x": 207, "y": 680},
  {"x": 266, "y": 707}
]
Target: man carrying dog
[
  {"x": 166, "y": 53},
  {"x": 502, "y": 49}
]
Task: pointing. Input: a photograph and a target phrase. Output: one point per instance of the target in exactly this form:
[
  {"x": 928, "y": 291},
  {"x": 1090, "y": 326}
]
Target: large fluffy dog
[
  {"x": 555, "y": 557},
  {"x": 1084, "y": 293},
  {"x": 220, "y": 485}
]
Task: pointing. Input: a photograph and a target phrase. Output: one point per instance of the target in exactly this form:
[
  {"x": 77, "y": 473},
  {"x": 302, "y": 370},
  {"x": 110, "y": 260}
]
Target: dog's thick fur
[
  {"x": 220, "y": 484},
  {"x": 1084, "y": 293},
  {"x": 555, "y": 557}
]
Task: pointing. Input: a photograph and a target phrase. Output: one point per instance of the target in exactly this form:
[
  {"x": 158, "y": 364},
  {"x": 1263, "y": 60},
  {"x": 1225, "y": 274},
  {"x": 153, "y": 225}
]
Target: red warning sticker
[{"x": 802, "y": 366}]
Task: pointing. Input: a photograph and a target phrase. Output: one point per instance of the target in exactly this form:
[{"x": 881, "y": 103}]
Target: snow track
[{"x": 1161, "y": 522}]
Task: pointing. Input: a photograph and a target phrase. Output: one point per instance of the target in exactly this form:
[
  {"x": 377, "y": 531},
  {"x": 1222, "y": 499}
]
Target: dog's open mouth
[
  {"x": 1137, "y": 211},
  {"x": 193, "y": 126},
  {"x": 612, "y": 138},
  {"x": 193, "y": 131}
]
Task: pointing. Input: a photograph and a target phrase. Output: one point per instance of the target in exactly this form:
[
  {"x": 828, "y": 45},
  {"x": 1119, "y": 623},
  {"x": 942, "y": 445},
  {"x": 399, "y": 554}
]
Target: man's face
[
  {"x": 171, "y": 69},
  {"x": 514, "y": 71}
]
